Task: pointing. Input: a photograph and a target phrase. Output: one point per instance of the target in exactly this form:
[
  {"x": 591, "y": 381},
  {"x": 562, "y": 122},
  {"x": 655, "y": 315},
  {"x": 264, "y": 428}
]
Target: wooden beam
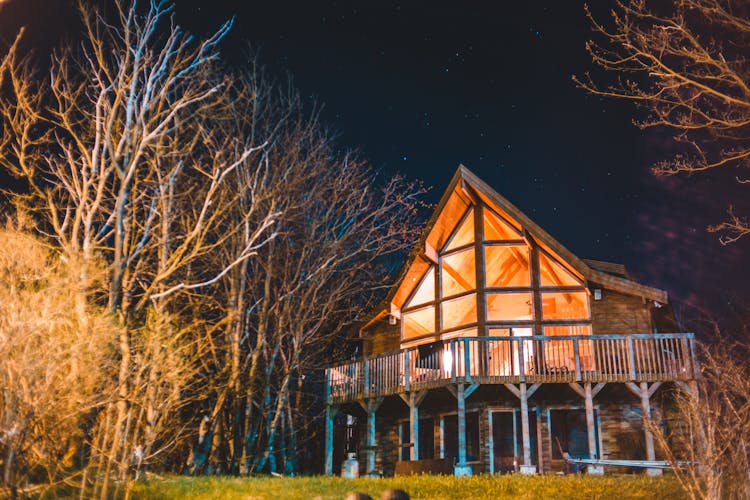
[
  {"x": 525, "y": 425},
  {"x": 532, "y": 389},
  {"x": 414, "y": 400},
  {"x": 461, "y": 417},
  {"x": 578, "y": 389},
  {"x": 456, "y": 275},
  {"x": 646, "y": 409},
  {"x": 414, "y": 426},
  {"x": 372, "y": 408},
  {"x": 645, "y": 392},
  {"x": 590, "y": 421},
  {"x": 597, "y": 388},
  {"x": 588, "y": 393},
  {"x": 430, "y": 253},
  {"x": 452, "y": 390},
  {"x": 480, "y": 268},
  {"x": 512, "y": 388},
  {"x": 330, "y": 415},
  {"x": 653, "y": 388}
]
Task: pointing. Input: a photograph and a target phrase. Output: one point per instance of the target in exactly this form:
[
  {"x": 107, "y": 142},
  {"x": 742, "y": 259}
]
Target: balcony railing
[{"x": 500, "y": 360}]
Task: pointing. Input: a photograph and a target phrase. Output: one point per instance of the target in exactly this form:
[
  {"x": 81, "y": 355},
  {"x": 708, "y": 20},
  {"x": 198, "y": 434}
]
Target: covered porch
[{"x": 585, "y": 364}]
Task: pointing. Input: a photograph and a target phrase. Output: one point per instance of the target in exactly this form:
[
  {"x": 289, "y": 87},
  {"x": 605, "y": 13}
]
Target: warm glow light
[{"x": 447, "y": 360}]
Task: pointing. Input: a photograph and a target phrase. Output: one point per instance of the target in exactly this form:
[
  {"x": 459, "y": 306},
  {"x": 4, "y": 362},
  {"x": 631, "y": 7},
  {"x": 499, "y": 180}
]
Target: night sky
[{"x": 419, "y": 87}]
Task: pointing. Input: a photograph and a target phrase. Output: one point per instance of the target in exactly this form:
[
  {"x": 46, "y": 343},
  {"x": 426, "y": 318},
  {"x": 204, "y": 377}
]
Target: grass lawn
[{"x": 438, "y": 487}]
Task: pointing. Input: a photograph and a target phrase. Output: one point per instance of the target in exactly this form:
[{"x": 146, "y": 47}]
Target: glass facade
[{"x": 524, "y": 289}]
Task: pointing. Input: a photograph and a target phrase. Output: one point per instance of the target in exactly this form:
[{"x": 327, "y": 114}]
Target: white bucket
[{"x": 350, "y": 467}]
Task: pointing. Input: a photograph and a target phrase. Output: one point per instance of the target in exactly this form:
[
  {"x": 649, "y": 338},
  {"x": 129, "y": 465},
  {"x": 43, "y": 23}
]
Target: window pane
[
  {"x": 464, "y": 234},
  {"x": 554, "y": 274},
  {"x": 461, "y": 311},
  {"x": 425, "y": 291},
  {"x": 509, "y": 306},
  {"x": 567, "y": 330},
  {"x": 405, "y": 440},
  {"x": 454, "y": 357},
  {"x": 585, "y": 347},
  {"x": 419, "y": 322},
  {"x": 459, "y": 273},
  {"x": 466, "y": 332},
  {"x": 505, "y": 355},
  {"x": 505, "y": 449},
  {"x": 499, "y": 332},
  {"x": 450, "y": 433},
  {"x": 507, "y": 265},
  {"x": 426, "y": 438},
  {"x": 565, "y": 305},
  {"x": 497, "y": 229},
  {"x": 569, "y": 429}
]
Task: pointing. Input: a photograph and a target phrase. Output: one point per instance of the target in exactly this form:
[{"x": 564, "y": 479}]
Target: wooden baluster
[
  {"x": 407, "y": 378},
  {"x": 467, "y": 360},
  {"x": 454, "y": 360}
]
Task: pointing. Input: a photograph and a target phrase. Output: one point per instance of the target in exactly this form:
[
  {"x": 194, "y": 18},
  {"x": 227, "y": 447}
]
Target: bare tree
[
  {"x": 325, "y": 270},
  {"x": 685, "y": 64},
  {"x": 130, "y": 152},
  {"x": 283, "y": 310},
  {"x": 237, "y": 245}
]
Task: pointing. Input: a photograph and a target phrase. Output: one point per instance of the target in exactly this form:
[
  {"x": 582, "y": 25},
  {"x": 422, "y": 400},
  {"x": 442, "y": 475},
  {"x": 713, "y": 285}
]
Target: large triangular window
[
  {"x": 464, "y": 234},
  {"x": 425, "y": 291},
  {"x": 459, "y": 272},
  {"x": 496, "y": 229},
  {"x": 552, "y": 273}
]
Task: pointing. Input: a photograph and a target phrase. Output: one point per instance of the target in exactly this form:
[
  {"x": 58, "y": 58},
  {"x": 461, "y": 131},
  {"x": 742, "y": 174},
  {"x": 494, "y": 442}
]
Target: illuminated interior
[{"x": 522, "y": 288}]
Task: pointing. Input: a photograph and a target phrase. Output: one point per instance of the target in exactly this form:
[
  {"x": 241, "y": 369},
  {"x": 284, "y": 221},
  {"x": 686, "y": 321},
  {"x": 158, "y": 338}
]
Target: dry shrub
[
  {"x": 710, "y": 448},
  {"x": 53, "y": 348}
]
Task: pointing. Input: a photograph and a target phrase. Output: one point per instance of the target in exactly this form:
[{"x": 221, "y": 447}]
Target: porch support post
[
  {"x": 371, "y": 407},
  {"x": 590, "y": 425},
  {"x": 461, "y": 392},
  {"x": 646, "y": 410},
  {"x": 330, "y": 415},
  {"x": 414, "y": 400},
  {"x": 588, "y": 393},
  {"x": 523, "y": 396},
  {"x": 414, "y": 425},
  {"x": 523, "y": 393},
  {"x": 461, "y": 426},
  {"x": 645, "y": 392}
]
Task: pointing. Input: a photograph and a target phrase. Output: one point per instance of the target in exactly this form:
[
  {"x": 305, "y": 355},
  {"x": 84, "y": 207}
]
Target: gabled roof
[{"x": 462, "y": 188}]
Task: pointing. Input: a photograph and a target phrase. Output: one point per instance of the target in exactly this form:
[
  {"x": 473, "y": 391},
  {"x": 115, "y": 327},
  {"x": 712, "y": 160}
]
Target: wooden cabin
[{"x": 498, "y": 350}]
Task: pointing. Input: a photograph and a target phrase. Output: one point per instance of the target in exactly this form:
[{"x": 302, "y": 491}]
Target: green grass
[{"x": 437, "y": 487}]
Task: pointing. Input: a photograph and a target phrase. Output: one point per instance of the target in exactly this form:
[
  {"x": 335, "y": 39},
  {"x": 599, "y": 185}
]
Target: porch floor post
[
  {"x": 525, "y": 426},
  {"x": 371, "y": 443},
  {"x": 590, "y": 424},
  {"x": 414, "y": 424},
  {"x": 461, "y": 400},
  {"x": 646, "y": 409},
  {"x": 330, "y": 414},
  {"x": 372, "y": 408}
]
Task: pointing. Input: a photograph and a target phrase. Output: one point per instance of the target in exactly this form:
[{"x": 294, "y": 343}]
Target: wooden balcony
[{"x": 511, "y": 360}]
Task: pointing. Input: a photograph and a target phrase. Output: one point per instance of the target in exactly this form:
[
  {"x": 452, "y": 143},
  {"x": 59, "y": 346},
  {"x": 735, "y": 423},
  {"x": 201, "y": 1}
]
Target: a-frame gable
[{"x": 508, "y": 234}]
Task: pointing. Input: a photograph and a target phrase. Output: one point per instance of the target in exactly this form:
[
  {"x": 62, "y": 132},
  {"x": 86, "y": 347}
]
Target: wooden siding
[
  {"x": 619, "y": 313},
  {"x": 381, "y": 337}
]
